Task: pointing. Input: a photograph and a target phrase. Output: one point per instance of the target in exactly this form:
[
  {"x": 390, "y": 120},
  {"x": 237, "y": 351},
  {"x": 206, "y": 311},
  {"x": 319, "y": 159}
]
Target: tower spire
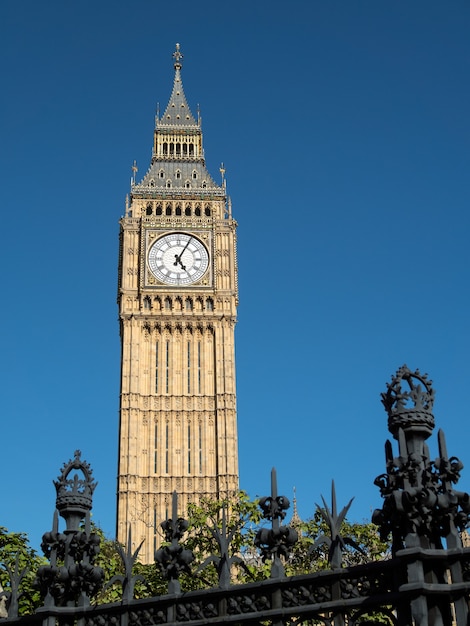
[{"x": 177, "y": 113}]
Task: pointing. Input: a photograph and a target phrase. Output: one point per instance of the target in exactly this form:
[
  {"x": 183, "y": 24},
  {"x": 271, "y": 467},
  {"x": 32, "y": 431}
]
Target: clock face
[{"x": 178, "y": 259}]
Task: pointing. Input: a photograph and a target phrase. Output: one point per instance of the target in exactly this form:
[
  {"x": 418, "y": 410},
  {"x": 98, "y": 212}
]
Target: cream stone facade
[{"x": 177, "y": 301}]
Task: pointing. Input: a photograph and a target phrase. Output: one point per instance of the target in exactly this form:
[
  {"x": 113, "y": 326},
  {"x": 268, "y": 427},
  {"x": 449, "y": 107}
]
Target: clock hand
[{"x": 178, "y": 256}]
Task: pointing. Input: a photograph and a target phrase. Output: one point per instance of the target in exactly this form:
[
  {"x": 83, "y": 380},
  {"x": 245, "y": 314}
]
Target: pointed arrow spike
[
  {"x": 273, "y": 483},
  {"x": 442, "y": 444},
  {"x": 388, "y": 451},
  {"x": 403, "y": 452},
  {"x": 174, "y": 508},
  {"x": 344, "y": 510},
  {"x": 129, "y": 539},
  {"x": 333, "y": 498}
]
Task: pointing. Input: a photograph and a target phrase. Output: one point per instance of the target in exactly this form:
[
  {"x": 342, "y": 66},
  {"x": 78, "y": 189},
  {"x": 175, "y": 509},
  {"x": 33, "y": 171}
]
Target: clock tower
[{"x": 177, "y": 307}]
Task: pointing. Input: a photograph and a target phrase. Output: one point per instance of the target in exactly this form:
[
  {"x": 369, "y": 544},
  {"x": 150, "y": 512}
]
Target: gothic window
[
  {"x": 185, "y": 149},
  {"x": 147, "y": 304},
  {"x": 168, "y": 184},
  {"x": 157, "y": 303},
  {"x": 178, "y": 148},
  {"x": 191, "y": 149},
  {"x": 187, "y": 184},
  {"x": 168, "y": 210},
  {"x": 178, "y": 304},
  {"x": 167, "y": 447},
  {"x": 200, "y": 448},
  {"x": 178, "y": 209},
  {"x": 151, "y": 183},
  {"x": 155, "y": 453},
  {"x": 209, "y": 304},
  {"x": 188, "y": 365},
  {"x": 199, "y": 367},
  {"x": 158, "y": 210},
  {"x": 148, "y": 210},
  {"x": 178, "y": 174},
  {"x": 188, "y": 303},
  {"x": 156, "y": 378},
  {"x": 168, "y": 303},
  {"x": 197, "y": 211},
  {"x": 187, "y": 210},
  {"x": 194, "y": 174},
  {"x": 161, "y": 173},
  {"x": 207, "y": 211},
  {"x": 165, "y": 148},
  {"x": 155, "y": 520},
  {"x": 204, "y": 184},
  {"x": 172, "y": 148},
  {"x": 167, "y": 369},
  {"x": 189, "y": 448}
]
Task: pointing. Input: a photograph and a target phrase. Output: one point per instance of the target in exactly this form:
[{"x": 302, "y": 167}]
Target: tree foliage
[
  {"x": 19, "y": 560},
  {"x": 366, "y": 546}
]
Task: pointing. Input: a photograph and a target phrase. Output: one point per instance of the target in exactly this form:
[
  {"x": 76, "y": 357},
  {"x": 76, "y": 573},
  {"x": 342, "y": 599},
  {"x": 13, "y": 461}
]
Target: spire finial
[
  {"x": 135, "y": 169},
  {"x": 222, "y": 173},
  {"x": 177, "y": 55}
]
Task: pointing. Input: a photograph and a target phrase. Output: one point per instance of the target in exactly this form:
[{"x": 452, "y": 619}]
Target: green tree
[
  {"x": 19, "y": 560},
  {"x": 365, "y": 546}
]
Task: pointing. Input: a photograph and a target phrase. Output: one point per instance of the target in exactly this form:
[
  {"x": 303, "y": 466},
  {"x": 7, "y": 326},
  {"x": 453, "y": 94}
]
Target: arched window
[
  {"x": 161, "y": 173},
  {"x": 209, "y": 304},
  {"x": 187, "y": 210},
  {"x": 158, "y": 210},
  {"x": 168, "y": 184},
  {"x": 148, "y": 210},
  {"x": 147, "y": 304},
  {"x": 168, "y": 303},
  {"x": 185, "y": 149},
  {"x": 178, "y": 174},
  {"x": 191, "y": 149},
  {"x": 197, "y": 212},
  {"x": 178, "y": 209},
  {"x": 151, "y": 183},
  {"x": 178, "y": 148},
  {"x": 165, "y": 148},
  {"x": 172, "y": 148},
  {"x": 207, "y": 211},
  {"x": 194, "y": 174},
  {"x": 168, "y": 210},
  {"x": 187, "y": 184},
  {"x": 188, "y": 304}
]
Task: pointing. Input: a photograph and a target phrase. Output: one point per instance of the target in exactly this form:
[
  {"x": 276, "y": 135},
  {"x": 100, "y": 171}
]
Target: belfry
[{"x": 177, "y": 298}]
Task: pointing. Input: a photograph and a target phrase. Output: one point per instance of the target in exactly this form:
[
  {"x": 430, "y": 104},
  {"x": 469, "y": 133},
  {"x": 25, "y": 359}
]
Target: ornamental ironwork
[{"x": 425, "y": 581}]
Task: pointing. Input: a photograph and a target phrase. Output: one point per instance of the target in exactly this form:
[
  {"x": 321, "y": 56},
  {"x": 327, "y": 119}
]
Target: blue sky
[{"x": 344, "y": 128}]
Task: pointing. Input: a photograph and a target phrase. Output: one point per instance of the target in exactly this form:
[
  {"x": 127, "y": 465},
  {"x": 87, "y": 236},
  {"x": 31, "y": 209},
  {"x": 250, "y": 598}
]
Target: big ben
[{"x": 177, "y": 302}]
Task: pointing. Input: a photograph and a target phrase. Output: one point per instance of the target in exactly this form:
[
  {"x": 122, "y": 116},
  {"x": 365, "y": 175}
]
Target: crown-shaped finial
[
  {"x": 75, "y": 493},
  {"x": 409, "y": 407}
]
